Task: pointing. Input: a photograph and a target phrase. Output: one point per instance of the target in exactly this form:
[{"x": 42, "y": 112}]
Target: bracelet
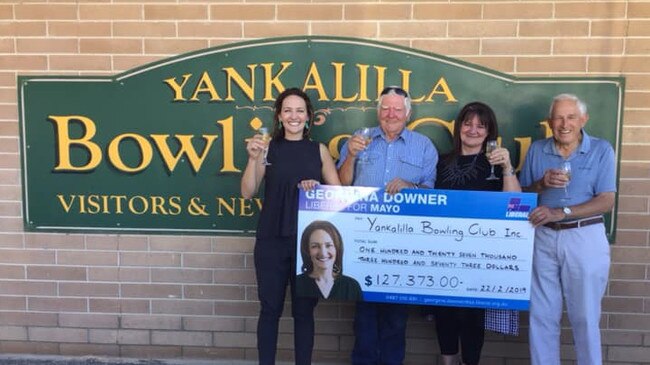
[{"x": 509, "y": 172}]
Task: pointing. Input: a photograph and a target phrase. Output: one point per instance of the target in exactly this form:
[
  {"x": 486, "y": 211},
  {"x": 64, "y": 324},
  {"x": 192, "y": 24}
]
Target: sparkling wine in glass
[
  {"x": 566, "y": 169},
  {"x": 266, "y": 138},
  {"x": 366, "y": 134},
  {"x": 489, "y": 148}
]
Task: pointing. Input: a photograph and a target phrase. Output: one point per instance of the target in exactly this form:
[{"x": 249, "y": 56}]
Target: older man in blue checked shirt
[
  {"x": 395, "y": 158},
  {"x": 571, "y": 254}
]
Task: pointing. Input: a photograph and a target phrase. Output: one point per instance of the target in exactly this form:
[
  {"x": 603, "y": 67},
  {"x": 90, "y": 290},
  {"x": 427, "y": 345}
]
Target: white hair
[{"x": 582, "y": 107}]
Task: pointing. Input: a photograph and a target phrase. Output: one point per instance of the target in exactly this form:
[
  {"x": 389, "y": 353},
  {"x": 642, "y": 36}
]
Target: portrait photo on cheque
[{"x": 321, "y": 270}]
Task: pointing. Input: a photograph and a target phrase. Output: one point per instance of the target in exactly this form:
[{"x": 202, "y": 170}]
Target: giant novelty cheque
[{"x": 432, "y": 247}]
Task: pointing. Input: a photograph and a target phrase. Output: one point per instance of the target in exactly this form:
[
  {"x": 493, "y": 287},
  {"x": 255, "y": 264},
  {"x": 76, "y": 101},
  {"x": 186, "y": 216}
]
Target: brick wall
[{"x": 194, "y": 297}]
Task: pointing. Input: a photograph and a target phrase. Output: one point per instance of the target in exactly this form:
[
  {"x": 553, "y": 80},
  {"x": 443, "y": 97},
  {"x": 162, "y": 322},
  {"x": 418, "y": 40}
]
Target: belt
[{"x": 574, "y": 224}]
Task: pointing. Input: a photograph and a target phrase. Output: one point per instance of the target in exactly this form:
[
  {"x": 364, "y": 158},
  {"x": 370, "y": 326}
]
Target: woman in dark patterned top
[
  {"x": 321, "y": 248},
  {"x": 467, "y": 168},
  {"x": 294, "y": 160}
]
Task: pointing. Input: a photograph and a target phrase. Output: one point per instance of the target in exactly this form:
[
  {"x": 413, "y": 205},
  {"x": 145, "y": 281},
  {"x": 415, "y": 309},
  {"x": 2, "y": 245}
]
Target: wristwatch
[{"x": 567, "y": 211}]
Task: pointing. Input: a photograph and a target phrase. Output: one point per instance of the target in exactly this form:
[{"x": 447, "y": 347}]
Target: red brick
[
  {"x": 121, "y": 274},
  {"x": 110, "y": 12},
  {"x": 594, "y": 10},
  {"x": 242, "y": 12},
  {"x": 272, "y": 29},
  {"x": 89, "y": 289},
  {"x": 622, "y": 338},
  {"x": 13, "y": 303},
  {"x": 6, "y": 12},
  {"x": 184, "y": 244},
  {"x": 131, "y": 337},
  {"x": 173, "y": 46},
  {"x": 12, "y": 333},
  {"x": 232, "y": 276},
  {"x": 87, "y": 258},
  {"x": 517, "y": 11},
  {"x": 237, "y": 309},
  {"x": 632, "y": 238},
  {"x": 23, "y": 28},
  {"x": 181, "y": 276},
  {"x": 175, "y": 12},
  {"x": 31, "y": 347},
  {"x": 57, "y": 241},
  {"x": 151, "y": 352},
  {"x": 181, "y": 338},
  {"x": 119, "y": 305},
  {"x": 446, "y": 11},
  {"x": 23, "y": 62},
  {"x": 630, "y": 322},
  {"x": 11, "y": 240},
  {"x": 57, "y": 304},
  {"x": 151, "y": 322},
  {"x": 200, "y": 29},
  {"x": 49, "y": 45},
  {"x": 56, "y": 273},
  {"x": 629, "y": 288},
  {"x": 58, "y": 334},
  {"x": 110, "y": 46},
  {"x": 83, "y": 349},
  {"x": 184, "y": 307},
  {"x": 624, "y": 271},
  {"x": 79, "y": 29},
  {"x": 19, "y": 287},
  {"x": 223, "y": 292},
  {"x": 218, "y": 353},
  {"x": 622, "y": 305},
  {"x": 12, "y": 272},
  {"x": 377, "y": 12},
  {"x": 212, "y": 323},
  {"x": 88, "y": 320},
  {"x": 149, "y": 259},
  {"x": 145, "y": 29},
  {"x": 213, "y": 260},
  {"x": 45, "y": 11},
  {"x": 80, "y": 63},
  {"x": 151, "y": 291},
  {"x": 236, "y": 339},
  {"x": 23, "y": 318}
]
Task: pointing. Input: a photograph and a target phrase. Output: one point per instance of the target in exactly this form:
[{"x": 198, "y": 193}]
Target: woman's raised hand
[{"x": 255, "y": 146}]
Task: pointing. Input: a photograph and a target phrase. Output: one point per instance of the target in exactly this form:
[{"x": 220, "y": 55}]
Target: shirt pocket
[{"x": 410, "y": 168}]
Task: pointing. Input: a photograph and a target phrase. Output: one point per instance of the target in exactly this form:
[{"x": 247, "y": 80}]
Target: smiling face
[
  {"x": 293, "y": 115},
  {"x": 392, "y": 115},
  {"x": 322, "y": 250},
  {"x": 566, "y": 123},
  {"x": 472, "y": 135}
]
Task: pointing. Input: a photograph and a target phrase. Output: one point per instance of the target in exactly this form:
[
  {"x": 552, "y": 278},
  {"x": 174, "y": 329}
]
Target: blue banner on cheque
[{"x": 433, "y": 247}]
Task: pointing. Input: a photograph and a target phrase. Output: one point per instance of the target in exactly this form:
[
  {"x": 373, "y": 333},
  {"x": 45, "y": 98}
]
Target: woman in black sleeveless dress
[{"x": 294, "y": 160}]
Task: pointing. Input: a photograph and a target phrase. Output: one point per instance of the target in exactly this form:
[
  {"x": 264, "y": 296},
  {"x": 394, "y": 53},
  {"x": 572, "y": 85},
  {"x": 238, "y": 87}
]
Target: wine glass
[
  {"x": 366, "y": 134},
  {"x": 489, "y": 148},
  {"x": 266, "y": 138},
  {"x": 566, "y": 169}
]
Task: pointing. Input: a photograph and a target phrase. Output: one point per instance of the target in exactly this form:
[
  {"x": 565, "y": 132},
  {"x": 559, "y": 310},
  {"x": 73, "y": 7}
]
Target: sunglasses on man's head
[{"x": 397, "y": 90}]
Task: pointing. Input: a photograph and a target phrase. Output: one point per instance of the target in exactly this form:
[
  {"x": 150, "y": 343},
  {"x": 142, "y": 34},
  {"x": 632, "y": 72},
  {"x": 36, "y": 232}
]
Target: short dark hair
[
  {"x": 277, "y": 109},
  {"x": 333, "y": 232}
]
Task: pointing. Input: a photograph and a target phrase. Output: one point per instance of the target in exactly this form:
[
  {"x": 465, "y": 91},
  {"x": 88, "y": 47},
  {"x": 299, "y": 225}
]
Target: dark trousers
[
  {"x": 464, "y": 324},
  {"x": 275, "y": 267},
  {"x": 380, "y": 334}
]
